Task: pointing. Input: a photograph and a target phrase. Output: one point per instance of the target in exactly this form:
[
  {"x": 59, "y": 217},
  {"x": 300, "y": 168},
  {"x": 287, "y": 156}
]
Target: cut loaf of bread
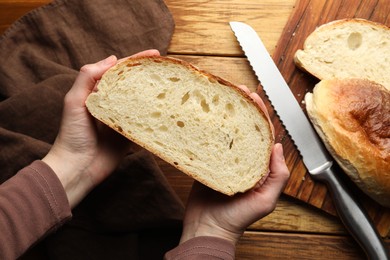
[
  {"x": 201, "y": 124},
  {"x": 352, "y": 116},
  {"x": 349, "y": 48}
]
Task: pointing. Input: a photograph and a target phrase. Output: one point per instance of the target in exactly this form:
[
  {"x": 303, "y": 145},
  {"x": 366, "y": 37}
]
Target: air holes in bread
[
  {"x": 205, "y": 106},
  {"x": 159, "y": 143},
  {"x": 190, "y": 154},
  {"x": 161, "y": 95},
  {"x": 230, "y": 109},
  {"x": 244, "y": 104},
  {"x": 185, "y": 98},
  {"x": 354, "y": 40},
  {"x": 216, "y": 100},
  {"x": 202, "y": 101},
  {"x": 155, "y": 77},
  {"x": 156, "y": 115},
  {"x": 174, "y": 79},
  {"x": 212, "y": 80},
  {"x": 199, "y": 98},
  {"x": 129, "y": 65},
  {"x": 185, "y": 116},
  {"x": 231, "y": 144},
  {"x": 163, "y": 128}
]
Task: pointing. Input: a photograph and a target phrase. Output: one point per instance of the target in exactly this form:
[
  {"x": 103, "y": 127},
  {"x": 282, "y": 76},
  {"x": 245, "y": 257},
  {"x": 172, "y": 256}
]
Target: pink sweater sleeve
[
  {"x": 205, "y": 248},
  {"x": 33, "y": 203}
]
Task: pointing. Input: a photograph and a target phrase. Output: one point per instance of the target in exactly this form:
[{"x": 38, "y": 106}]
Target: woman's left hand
[{"x": 85, "y": 151}]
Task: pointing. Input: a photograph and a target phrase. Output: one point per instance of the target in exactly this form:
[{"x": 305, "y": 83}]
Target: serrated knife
[{"x": 316, "y": 158}]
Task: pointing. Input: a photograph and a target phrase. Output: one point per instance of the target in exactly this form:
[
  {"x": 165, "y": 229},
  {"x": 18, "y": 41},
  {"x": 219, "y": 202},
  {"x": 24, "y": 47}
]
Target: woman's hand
[
  {"x": 210, "y": 213},
  {"x": 85, "y": 151}
]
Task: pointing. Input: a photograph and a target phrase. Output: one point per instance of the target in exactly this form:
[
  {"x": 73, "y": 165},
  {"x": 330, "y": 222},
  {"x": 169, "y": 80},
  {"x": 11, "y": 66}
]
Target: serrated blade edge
[{"x": 315, "y": 156}]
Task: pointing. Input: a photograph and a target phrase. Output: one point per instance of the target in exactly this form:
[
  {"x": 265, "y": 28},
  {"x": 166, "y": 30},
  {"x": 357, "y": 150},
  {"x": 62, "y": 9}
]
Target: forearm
[
  {"x": 32, "y": 204},
  {"x": 71, "y": 172}
]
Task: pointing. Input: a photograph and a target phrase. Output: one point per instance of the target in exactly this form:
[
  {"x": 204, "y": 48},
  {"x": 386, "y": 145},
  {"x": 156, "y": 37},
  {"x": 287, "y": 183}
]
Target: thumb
[
  {"x": 279, "y": 172},
  {"x": 88, "y": 77}
]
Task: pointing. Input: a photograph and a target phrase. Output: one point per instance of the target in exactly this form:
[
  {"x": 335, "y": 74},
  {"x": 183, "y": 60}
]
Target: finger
[
  {"x": 87, "y": 78},
  {"x": 260, "y": 102},
  {"x": 255, "y": 97},
  {"x": 245, "y": 89},
  {"x": 277, "y": 177},
  {"x": 279, "y": 172},
  {"x": 151, "y": 52}
]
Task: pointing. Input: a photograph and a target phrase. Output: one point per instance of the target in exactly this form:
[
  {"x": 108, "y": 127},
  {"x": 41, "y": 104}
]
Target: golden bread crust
[{"x": 353, "y": 118}]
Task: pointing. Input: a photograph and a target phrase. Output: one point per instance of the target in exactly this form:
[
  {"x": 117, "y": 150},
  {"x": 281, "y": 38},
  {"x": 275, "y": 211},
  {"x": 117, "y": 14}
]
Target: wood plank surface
[
  {"x": 202, "y": 26},
  {"x": 12, "y": 10},
  {"x": 298, "y": 228},
  {"x": 269, "y": 245}
]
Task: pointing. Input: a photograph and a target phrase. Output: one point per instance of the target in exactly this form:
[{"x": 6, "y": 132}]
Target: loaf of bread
[
  {"x": 201, "y": 124},
  {"x": 349, "y": 48},
  {"x": 352, "y": 116}
]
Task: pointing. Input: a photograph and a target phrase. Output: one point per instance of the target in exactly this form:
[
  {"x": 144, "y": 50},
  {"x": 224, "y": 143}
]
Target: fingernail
[{"x": 109, "y": 60}]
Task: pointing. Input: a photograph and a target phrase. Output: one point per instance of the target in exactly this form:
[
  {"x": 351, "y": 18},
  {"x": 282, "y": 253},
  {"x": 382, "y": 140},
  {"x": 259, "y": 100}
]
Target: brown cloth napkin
[{"x": 132, "y": 215}]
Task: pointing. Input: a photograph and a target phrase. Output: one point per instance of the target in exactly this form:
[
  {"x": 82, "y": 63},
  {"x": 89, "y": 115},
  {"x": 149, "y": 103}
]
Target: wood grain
[
  {"x": 306, "y": 16},
  {"x": 269, "y": 245},
  {"x": 12, "y": 10},
  {"x": 202, "y": 26},
  {"x": 202, "y": 36}
]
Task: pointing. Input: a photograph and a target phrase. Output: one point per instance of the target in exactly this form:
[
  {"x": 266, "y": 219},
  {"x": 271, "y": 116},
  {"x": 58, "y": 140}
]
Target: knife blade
[{"x": 316, "y": 158}]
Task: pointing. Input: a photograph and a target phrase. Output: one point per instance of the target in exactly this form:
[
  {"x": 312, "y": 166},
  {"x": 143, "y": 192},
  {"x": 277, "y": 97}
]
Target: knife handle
[{"x": 353, "y": 216}]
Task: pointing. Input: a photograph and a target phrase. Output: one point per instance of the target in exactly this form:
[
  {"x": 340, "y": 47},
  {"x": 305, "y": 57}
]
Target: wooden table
[{"x": 202, "y": 36}]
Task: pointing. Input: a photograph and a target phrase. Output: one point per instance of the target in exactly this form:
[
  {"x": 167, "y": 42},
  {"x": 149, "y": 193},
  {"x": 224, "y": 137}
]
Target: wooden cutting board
[{"x": 307, "y": 15}]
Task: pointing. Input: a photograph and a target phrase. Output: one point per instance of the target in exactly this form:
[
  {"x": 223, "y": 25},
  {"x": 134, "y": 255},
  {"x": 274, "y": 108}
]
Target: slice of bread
[
  {"x": 349, "y": 48},
  {"x": 352, "y": 116},
  {"x": 201, "y": 124}
]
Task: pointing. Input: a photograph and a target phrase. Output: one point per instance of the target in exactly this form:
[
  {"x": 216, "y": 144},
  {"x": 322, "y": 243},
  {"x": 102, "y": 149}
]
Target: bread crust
[
  {"x": 139, "y": 61},
  {"x": 352, "y": 116},
  {"x": 337, "y": 23}
]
